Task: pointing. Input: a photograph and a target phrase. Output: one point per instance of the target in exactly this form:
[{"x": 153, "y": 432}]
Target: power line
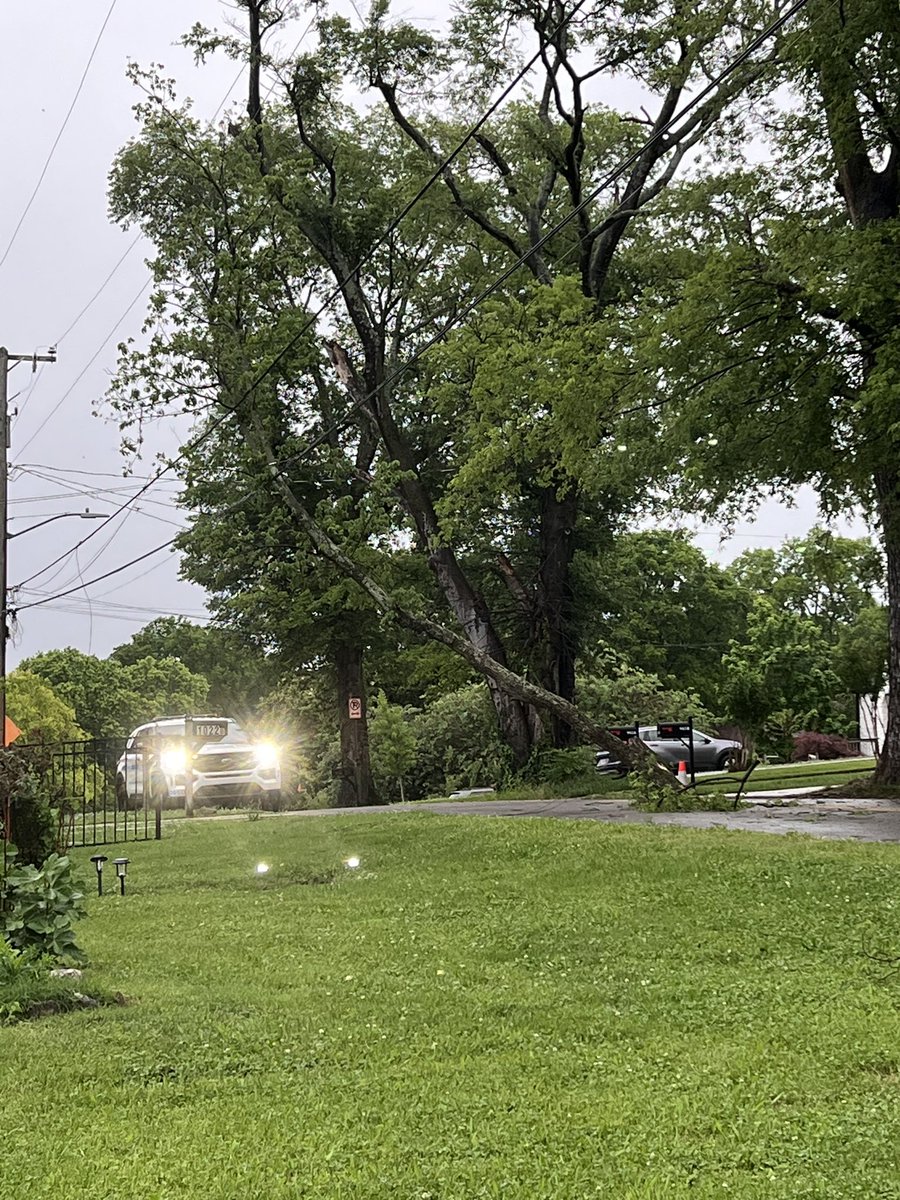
[
  {"x": 679, "y": 116},
  {"x": 99, "y": 291},
  {"x": 332, "y": 296},
  {"x": 85, "y": 369},
  {"x": 35, "y": 467},
  {"x": 58, "y": 138},
  {"x": 98, "y": 578},
  {"x": 136, "y": 241}
]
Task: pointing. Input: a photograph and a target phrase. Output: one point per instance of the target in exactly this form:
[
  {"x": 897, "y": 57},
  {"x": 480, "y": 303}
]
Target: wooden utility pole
[{"x": 5, "y": 359}]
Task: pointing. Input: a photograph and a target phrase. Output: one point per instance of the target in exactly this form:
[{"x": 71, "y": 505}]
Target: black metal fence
[{"x": 92, "y": 791}]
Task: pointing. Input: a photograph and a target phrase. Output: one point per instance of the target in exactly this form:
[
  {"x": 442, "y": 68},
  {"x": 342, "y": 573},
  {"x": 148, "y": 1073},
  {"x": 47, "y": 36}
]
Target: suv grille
[{"x": 216, "y": 764}]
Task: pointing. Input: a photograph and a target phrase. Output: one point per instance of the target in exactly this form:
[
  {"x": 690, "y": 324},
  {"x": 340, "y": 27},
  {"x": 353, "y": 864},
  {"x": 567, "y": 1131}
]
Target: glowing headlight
[
  {"x": 173, "y": 760},
  {"x": 266, "y": 756}
]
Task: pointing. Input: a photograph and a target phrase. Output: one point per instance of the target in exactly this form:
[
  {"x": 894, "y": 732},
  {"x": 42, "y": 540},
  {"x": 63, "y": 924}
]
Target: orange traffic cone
[{"x": 683, "y": 772}]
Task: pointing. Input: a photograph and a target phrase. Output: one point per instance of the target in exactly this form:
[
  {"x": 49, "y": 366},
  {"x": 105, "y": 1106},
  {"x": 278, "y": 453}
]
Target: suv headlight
[
  {"x": 266, "y": 756},
  {"x": 173, "y": 760}
]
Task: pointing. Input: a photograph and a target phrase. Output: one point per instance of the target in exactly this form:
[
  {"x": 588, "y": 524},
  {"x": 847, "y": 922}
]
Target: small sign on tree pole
[{"x": 354, "y": 705}]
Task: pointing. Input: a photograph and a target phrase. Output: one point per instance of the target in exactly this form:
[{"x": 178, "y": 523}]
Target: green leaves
[
  {"x": 40, "y": 906},
  {"x": 110, "y": 699}
]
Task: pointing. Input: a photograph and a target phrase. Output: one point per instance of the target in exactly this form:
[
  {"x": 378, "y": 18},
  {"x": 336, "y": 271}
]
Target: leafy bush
[
  {"x": 23, "y": 981},
  {"x": 782, "y": 727},
  {"x": 623, "y": 693},
  {"x": 560, "y": 766},
  {"x": 40, "y": 908},
  {"x": 648, "y": 793},
  {"x": 33, "y": 825},
  {"x": 458, "y": 745},
  {"x": 392, "y": 742},
  {"x": 651, "y": 796},
  {"x": 820, "y": 745}
]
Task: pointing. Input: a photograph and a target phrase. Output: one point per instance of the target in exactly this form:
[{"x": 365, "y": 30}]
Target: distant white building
[{"x": 872, "y": 722}]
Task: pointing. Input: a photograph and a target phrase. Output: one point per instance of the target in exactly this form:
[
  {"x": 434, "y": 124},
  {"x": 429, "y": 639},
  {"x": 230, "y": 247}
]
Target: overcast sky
[{"x": 64, "y": 457}]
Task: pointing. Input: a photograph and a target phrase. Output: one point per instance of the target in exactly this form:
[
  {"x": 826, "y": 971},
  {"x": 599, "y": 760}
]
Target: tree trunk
[
  {"x": 887, "y": 486},
  {"x": 870, "y": 187},
  {"x": 555, "y": 602},
  {"x": 634, "y": 754},
  {"x": 355, "y": 788},
  {"x": 519, "y": 727}
]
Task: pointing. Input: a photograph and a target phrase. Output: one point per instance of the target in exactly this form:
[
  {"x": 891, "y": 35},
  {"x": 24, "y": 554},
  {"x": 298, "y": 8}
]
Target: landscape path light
[
  {"x": 121, "y": 865},
  {"x": 98, "y": 860}
]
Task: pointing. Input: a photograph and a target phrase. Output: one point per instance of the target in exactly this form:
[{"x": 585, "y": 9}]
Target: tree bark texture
[
  {"x": 871, "y": 196},
  {"x": 355, "y": 782},
  {"x": 887, "y": 483},
  {"x": 555, "y": 602},
  {"x": 518, "y": 727},
  {"x": 633, "y": 754}
]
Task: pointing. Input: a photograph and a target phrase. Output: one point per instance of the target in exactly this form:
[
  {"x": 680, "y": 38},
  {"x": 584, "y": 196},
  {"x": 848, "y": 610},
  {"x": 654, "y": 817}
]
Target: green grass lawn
[
  {"x": 779, "y": 776},
  {"x": 773, "y": 777},
  {"x": 486, "y": 1008}
]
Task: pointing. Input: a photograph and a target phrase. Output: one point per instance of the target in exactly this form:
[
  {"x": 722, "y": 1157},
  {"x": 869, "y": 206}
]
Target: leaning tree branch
[{"x": 634, "y": 755}]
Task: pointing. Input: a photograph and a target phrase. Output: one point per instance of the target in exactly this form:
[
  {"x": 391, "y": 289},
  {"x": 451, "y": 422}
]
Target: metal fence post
[{"x": 146, "y": 785}]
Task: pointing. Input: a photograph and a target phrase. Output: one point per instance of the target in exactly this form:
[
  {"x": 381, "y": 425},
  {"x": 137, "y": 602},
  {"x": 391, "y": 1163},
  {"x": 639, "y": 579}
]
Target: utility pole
[{"x": 5, "y": 359}]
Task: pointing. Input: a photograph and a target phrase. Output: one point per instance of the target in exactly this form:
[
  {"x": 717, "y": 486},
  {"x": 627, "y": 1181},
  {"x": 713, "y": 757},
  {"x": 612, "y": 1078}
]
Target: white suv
[{"x": 229, "y": 771}]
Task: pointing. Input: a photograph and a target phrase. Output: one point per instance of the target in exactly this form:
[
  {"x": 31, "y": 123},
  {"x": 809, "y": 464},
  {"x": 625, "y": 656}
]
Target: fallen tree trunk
[{"x": 634, "y": 755}]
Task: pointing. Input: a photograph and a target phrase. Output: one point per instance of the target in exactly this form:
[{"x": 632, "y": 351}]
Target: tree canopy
[
  {"x": 524, "y": 351},
  {"x": 108, "y": 698}
]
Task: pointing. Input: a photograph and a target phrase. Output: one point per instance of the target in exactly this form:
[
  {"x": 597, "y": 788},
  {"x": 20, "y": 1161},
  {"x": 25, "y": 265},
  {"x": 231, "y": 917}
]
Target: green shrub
[
  {"x": 458, "y": 745},
  {"x": 33, "y": 825},
  {"x": 40, "y": 908},
  {"x": 649, "y": 795},
  {"x": 560, "y": 766}
]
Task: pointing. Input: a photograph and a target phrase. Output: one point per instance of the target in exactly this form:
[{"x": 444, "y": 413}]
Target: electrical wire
[
  {"x": 139, "y": 237},
  {"x": 87, "y": 367},
  {"x": 36, "y": 467},
  {"x": 100, "y": 290},
  {"x": 195, "y": 443},
  {"x": 136, "y": 241},
  {"x": 58, "y": 138},
  {"x": 629, "y": 161}
]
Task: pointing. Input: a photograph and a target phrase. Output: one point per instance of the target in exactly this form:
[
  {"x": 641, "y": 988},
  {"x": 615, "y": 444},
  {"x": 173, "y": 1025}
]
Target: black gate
[{"x": 85, "y": 783}]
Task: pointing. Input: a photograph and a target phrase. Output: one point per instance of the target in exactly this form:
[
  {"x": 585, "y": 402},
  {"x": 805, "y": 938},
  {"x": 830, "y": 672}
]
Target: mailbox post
[
  {"x": 198, "y": 732},
  {"x": 677, "y": 731}
]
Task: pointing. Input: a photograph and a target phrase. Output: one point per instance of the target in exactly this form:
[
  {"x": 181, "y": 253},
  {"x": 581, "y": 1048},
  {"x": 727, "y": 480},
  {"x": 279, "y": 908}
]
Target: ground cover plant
[{"x": 483, "y": 1008}]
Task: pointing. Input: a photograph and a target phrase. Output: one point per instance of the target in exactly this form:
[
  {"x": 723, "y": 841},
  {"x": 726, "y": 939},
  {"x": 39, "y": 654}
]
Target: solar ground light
[
  {"x": 121, "y": 865},
  {"x": 98, "y": 860}
]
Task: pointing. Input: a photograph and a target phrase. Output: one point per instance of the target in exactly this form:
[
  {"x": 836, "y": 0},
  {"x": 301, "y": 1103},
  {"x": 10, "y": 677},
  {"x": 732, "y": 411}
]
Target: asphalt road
[{"x": 863, "y": 821}]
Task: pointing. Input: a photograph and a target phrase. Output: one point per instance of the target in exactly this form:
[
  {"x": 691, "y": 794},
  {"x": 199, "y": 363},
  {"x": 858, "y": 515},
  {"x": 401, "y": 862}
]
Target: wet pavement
[
  {"x": 870, "y": 821},
  {"x": 857, "y": 820}
]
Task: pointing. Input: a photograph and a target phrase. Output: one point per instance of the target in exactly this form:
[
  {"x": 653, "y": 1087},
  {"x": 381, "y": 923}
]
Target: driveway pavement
[{"x": 860, "y": 820}]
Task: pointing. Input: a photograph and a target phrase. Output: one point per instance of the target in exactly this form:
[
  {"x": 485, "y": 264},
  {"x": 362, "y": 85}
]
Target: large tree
[
  {"x": 779, "y": 334},
  {"x": 823, "y": 576},
  {"x": 666, "y": 608},
  {"x": 239, "y": 674},
  {"x": 257, "y": 226}
]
